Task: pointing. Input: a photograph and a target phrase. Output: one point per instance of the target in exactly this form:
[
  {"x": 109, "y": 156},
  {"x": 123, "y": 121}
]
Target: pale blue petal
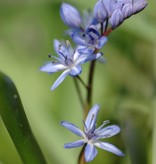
[
  {"x": 56, "y": 45},
  {"x": 90, "y": 122},
  {"x": 90, "y": 152},
  {"x": 102, "y": 42},
  {"x": 74, "y": 144},
  {"x": 109, "y": 147},
  {"x": 75, "y": 70},
  {"x": 83, "y": 58},
  {"x": 52, "y": 67},
  {"x": 77, "y": 39},
  {"x": 60, "y": 79},
  {"x": 74, "y": 129},
  {"x": 76, "y": 55},
  {"x": 86, "y": 50},
  {"x": 108, "y": 131}
]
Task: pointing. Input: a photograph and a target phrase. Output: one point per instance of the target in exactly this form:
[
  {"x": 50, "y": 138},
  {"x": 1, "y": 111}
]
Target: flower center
[
  {"x": 90, "y": 135},
  {"x": 68, "y": 62}
]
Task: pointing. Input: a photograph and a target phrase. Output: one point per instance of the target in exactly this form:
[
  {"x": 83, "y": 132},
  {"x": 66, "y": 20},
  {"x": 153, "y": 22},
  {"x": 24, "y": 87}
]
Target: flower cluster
[{"x": 89, "y": 31}]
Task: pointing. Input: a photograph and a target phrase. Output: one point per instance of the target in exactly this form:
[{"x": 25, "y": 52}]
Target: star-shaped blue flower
[
  {"x": 69, "y": 61},
  {"x": 91, "y": 136}
]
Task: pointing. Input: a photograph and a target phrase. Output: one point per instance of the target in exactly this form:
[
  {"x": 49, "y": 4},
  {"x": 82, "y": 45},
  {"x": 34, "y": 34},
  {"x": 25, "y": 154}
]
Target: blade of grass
[{"x": 16, "y": 122}]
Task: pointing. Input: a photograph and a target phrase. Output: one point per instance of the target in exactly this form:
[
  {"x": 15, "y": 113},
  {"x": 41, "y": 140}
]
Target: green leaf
[{"x": 16, "y": 122}]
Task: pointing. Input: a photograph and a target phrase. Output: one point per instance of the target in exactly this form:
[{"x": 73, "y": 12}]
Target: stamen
[
  {"x": 61, "y": 53},
  {"x": 49, "y": 56},
  {"x": 106, "y": 122},
  {"x": 67, "y": 43}
]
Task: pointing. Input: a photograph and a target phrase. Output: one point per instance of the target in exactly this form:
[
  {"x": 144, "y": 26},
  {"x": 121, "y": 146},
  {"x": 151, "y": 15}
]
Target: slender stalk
[
  {"x": 82, "y": 82},
  {"x": 88, "y": 104},
  {"x": 101, "y": 28},
  {"x": 90, "y": 83},
  {"x": 81, "y": 159},
  {"x": 106, "y": 26},
  {"x": 106, "y": 33},
  {"x": 79, "y": 92}
]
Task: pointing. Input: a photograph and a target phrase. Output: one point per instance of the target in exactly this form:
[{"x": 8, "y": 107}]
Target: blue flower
[
  {"x": 69, "y": 61},
  {"x": 90, "y": 40},
  {"x": 91, "y": 136},
  {"x": 77, "y": 23}
]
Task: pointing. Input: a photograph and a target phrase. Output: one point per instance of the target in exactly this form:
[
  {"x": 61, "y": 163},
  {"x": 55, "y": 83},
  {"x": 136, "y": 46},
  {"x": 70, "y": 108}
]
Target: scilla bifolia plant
[{"x": 89, "y": 32}]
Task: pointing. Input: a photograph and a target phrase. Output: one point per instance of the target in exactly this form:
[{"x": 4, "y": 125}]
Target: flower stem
[
  {"x": 88, "y": 104},
  {"x": 82, "y": 82},
  {"x": 79, "y": 92},
  {"x": 81, "y": 159}
]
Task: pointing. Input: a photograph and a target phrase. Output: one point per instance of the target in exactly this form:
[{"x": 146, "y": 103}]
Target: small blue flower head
[
  {"x": 91, "y": 136},
  {"x": 70, "y": 15},
  {"x": 100, "y": 12},
  {"x": 69, "y": 61},
  {"x": 90, "y": 40}
]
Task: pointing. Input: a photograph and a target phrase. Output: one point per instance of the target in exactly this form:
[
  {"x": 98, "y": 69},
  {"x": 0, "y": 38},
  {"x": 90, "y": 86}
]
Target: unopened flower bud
[
  {"x": 139, "y": 5},
  {"x": 127, "y": 10},
  {"x": 100, "y": 12},
  {"x": 70, "y": 15},
  {"x": 116, "y": 19}
]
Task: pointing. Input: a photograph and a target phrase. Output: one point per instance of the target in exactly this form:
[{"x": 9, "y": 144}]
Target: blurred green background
[{"x": 124, "y": 86}]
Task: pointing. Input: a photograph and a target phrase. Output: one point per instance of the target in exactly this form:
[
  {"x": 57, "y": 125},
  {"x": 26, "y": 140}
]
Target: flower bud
[
  {"x": 139, "y": 5},
  {"x": 100, "y": 12},
  {"x": 127, "y": 10},
  {"x": 70, "y": 15},
  {"x": 116, "y": 19}
]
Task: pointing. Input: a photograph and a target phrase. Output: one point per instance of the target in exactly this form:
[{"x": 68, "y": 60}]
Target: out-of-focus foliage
[{"x": 124, "y": 86}]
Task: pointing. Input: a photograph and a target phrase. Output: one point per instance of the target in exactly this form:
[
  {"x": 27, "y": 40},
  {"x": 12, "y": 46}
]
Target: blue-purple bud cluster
[{"x": 116, "y": 11}]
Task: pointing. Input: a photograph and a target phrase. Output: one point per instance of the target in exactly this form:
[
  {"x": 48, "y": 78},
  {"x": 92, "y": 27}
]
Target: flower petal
[
  {"x": 102, "y": 42},
  {"x": 90, "y": 152},
  {"x": 74, "y": 144},
  {"x": 52, "y": 67},
  {"x": 108, "y": 131},
  {"x": 56, "y": 45},
  {"x": 90, "y": 122},
  {"x": 77, "y": 38},
  {"x": 88, "y": 57},
  {"x": 74, "y": 129},
  {"x": 60, "y": 79},
  {"x": 86, "y": 50},
  {"x": 109, "y": 147},
  {"x": 75, "y": 70}
]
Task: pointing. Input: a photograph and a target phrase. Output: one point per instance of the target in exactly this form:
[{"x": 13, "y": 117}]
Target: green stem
[
  {"x": 88, "y": 103},
  {"x": 16, "y": 122},
  {"x": 79, "y": 92},
  {"x": 82, "y": 82}
]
